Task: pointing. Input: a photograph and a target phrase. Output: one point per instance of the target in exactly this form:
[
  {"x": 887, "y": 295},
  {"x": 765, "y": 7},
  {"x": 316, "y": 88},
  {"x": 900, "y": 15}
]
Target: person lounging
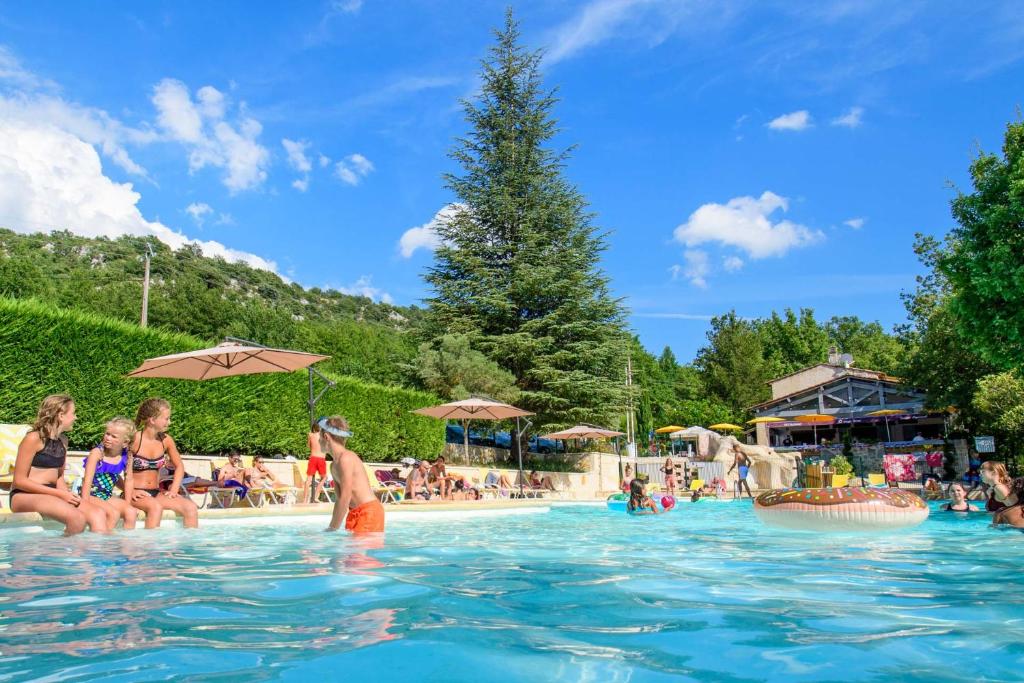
[
  {"x": 39, "y": 484},
  {"x": 105, "y": 468}
]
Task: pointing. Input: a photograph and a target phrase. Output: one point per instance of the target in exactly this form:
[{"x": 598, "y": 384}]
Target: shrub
[
  {"x": 45, "y": 350},
  {"x": 840, "y": 465}
]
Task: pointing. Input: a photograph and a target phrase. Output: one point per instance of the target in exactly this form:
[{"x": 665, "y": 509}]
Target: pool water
[{"x": 576, "y": 594}]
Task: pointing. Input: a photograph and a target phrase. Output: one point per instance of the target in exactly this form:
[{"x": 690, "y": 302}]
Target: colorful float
[{"x": 841, "y": 509}]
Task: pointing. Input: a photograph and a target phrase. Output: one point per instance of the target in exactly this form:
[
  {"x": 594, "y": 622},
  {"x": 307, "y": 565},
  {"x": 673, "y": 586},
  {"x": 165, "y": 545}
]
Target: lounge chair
[
  {"x": 10, "y": 439},
  {"x": 877, "y": 480},
  {"x": 840, "y": 480},
  {"x": 387, "y": 489},
  {"x": 696, "y": 484}
]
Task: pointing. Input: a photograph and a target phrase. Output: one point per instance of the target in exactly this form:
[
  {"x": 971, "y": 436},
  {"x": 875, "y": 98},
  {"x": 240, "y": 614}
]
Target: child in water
[{"x": 639, "y": 502}]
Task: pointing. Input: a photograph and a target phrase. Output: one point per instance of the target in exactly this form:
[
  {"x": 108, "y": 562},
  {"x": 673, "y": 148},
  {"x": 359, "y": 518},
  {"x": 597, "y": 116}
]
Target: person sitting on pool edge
[
  {"x": 354, "y": 502},
  {"x": 958, "y": 500},
  {"x": 639, "y": 502}
]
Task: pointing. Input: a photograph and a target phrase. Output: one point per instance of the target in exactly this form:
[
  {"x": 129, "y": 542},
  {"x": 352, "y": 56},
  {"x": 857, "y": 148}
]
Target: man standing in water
[
  {"x": 742, "y": 461},
  {"x": 354, "y": 504}
]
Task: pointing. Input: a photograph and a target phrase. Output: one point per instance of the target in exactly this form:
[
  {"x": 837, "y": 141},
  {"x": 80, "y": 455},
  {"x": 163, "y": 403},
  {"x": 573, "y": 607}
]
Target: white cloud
[
  {"x": 732, "y": 263},
  {"x": 208, "y": 136},
  {"x": 364, "y": 287},
  {"x": 797, "y": 120},
  {"x": 301, "y": 184},
  {"x": 297, "y": 158},
  {"x": 51, "y": 179},
  {"x": 855, "y": 223},
  {"x": 199, "y": 211},
  {"x": 853, "y": 118},
  {"x": 13, "y": 73},
  {"x": 744, "y": 223},
  {"x": 353, "y": 168},
  {"x": 324, "y": 161},
  {"x": 696, "y": 270},
  {"x": 425, "y": 236}
]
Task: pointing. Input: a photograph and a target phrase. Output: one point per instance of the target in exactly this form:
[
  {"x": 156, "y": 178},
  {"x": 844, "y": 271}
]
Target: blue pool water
[{"x": 577, "y": 594}]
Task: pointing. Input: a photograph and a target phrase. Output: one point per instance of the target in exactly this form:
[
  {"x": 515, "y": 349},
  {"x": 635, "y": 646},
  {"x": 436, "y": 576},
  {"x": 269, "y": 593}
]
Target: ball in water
[{"x": 668, "y": 502}]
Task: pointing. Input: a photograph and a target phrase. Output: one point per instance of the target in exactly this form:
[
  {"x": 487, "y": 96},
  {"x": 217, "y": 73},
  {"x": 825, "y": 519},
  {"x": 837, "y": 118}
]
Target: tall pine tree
[{"x": 518, "y": 270}]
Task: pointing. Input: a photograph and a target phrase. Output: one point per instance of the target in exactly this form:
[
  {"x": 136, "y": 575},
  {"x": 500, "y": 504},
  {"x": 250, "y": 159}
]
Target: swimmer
[
  {"x": 1014, "y": 514},
  {"x": 1000, "y": 496},
  {"x": 958, "y": 500},
  {"x": 639, "y": 502}
]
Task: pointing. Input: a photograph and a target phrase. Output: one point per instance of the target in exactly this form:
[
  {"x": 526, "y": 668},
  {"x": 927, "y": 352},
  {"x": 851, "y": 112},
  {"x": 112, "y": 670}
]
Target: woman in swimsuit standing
[
  {"x": 670, "y": 476},
  {"x": 151, "y": 447},
  {"x": 39, "y": 484}
]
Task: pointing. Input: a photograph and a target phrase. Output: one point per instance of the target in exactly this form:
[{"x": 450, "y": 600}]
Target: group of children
[{"x": 131, "y": 456}]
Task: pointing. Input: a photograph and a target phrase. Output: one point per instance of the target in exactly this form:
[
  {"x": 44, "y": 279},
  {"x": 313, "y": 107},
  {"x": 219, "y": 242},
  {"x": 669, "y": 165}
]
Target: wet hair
[
  {"x": 1017, "y": 489},
  {"x": 330, "y": 426},
  {"x": 123, "y": 423},
  {"x": 149, "y": 409},
  {"x": 998, "y": 470},
  {"x": 636, "y": 494},
  {"x": 48, "y": 417}
]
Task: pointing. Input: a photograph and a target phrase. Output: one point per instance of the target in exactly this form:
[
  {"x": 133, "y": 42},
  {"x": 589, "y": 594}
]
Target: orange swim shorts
[{"x": 366, "y": 518}]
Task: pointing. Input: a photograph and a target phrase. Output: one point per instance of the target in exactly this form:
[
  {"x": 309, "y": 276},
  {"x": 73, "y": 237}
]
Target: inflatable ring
[
  {"x": 617, "y": 502},
  {"x": 841, "y": 509}
]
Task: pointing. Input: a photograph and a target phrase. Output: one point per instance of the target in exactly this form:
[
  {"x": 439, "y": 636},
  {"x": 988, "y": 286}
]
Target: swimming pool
[{"x": 579, "y": 593}]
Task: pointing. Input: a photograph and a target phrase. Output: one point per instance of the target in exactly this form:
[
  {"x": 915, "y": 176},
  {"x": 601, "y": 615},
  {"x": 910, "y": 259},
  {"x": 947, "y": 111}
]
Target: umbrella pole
[
  {"x": 519, "y": 452},
  {"x": 888, "y": 436},
  {"x": 465, "y": 438}
]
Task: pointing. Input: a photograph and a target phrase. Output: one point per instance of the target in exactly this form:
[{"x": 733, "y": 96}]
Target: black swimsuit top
[{"x": 51, "y": 456}]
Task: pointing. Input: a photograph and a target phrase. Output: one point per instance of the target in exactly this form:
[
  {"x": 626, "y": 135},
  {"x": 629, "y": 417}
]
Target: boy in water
[{"x": 354, "y": 504}]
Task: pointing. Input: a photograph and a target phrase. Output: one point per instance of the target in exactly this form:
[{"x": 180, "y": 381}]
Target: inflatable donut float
[{"x": 841, "y": 509}]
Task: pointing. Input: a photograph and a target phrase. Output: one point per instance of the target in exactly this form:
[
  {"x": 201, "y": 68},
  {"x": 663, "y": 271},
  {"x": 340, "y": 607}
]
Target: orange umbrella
[{"x": 815, "y": 419}]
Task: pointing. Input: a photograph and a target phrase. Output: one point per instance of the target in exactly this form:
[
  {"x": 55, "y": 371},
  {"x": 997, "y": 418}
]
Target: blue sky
[{"x": 742, "y": 155}]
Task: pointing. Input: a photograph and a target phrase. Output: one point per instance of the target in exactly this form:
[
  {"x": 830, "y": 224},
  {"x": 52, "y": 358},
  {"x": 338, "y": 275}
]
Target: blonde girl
[
  {"x": 151, "y": 449},
  {"x": 105, "y": 467},
  {"x": 1000, "y": 485},
  {"x": 39, "y": 484}
]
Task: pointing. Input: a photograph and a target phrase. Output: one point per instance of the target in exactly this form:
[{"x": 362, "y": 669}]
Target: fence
[{"x": 686, "y": 470}]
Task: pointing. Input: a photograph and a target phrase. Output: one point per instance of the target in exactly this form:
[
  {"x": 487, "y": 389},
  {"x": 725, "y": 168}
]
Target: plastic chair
[{"x": 877, "y": 480}]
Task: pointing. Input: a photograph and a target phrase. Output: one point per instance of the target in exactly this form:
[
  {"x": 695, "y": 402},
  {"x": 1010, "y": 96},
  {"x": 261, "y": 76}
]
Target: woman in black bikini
[
  {"x": 958, "y": 500},
  {"x": 39, "y": 484},
  {"x": 151, "y": 448}
]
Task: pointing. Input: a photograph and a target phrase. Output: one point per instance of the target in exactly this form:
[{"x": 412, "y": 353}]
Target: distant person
[
  {"x": 918, "y": 438},
  {"x": 627, "y": 478},
  {"x": 105, "y": 468},
  {"x": 417, "y": 485},
  {"x": 438, "y": 476},
  {"x": 669, "y": 469},
  {"x": 741, "y": 461},
  {"x": 233, "y": 475},
  {"x": 316, "y": 468},
  {"x": 152, "y": 448},
  {"x": 354, "y": 502},
  {"x": 539, "y": 482},
  {"x": 1001, "y": 494},
  {"x": 260, "y": 475},
  {"x": 787, "y": 440},
  {"x": 639, "y": 502},
  {"x": 39, "y": 484},
  {"x": 958, "y": 500},
  {"x": 396, "y": 476},
  {"x": 972, "y": 477}
]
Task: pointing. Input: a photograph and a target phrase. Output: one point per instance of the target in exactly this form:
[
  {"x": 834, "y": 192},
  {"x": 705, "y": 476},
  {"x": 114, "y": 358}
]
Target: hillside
[{"x": 209, "y": 298}]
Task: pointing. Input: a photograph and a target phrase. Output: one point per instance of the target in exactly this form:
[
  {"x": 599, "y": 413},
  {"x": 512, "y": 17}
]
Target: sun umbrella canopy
[
  {"x": 765, "y": 420},
  {"x": 667, "y": 430},
  {"x": 815, "y": 418},
  {"x": 583, "y": 432},
  {"x": 726, "y": 427},
  {"x": 473, "y": 409},
  {"x": 225, "y": 360},
  {"x": 885, "y": 412}
]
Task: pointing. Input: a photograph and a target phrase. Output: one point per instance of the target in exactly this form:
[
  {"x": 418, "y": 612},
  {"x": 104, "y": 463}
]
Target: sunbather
[
  {"x": 417, "y": 484},
  {"x": 355, "y": 505},
  {"x": 539, "y": 482},
  {"x": 105, "y": 468},
  {"x": 260, "y": 475},
  {"x": 438, "y": 477},
  {"x": 233, "y": 475},
  {"x": 498, "y": 480},
  {"x": 396, "y": 476}
]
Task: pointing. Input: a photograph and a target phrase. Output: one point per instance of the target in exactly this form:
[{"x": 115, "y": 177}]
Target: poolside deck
[{"x": 9, "y": 520}]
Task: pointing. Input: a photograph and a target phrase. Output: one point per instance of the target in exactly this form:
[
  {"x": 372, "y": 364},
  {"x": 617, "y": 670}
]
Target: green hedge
[{"x": 45, "y": 350}]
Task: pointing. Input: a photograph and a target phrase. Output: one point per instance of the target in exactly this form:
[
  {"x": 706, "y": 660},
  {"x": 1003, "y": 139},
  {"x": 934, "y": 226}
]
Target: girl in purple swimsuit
[{"x": 105, "y": 467}]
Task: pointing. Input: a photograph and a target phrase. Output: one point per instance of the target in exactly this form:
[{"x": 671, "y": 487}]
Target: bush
[
  {"x": 840, "y": 465},
  {"x": 45, "y": 350}
]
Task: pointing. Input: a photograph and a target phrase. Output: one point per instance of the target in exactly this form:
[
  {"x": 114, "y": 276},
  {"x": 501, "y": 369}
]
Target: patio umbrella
[
  {"x": 667, "y": 430},
  {"x": 587, "y": 432},
  {"x": 886, "y": 412},
  {"x": 765, "y": 420},
  {"x": 815, "y": 419},
  {"x": 726, "y": 427},
  {"x": 474, "y": 408},
  {"x": 231, "y": 358}
]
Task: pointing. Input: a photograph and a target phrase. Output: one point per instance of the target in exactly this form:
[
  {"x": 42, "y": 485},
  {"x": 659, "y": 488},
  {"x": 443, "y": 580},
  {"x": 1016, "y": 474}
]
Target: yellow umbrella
[
  {"x": 815, "y": 419},
  {"x": 765, "y": 420},
  {"x": 668, "y": 430},
  {"x": 886, "y": 412},
  {"x": 726, "y": 427}
]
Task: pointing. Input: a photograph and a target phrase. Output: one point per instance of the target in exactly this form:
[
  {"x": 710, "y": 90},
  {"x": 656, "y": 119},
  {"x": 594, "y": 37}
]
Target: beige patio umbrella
[
  {"x": 474, "y": 408},
  {"x": 583, "y": 432},
  {"x": 231, "y": 358}
]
